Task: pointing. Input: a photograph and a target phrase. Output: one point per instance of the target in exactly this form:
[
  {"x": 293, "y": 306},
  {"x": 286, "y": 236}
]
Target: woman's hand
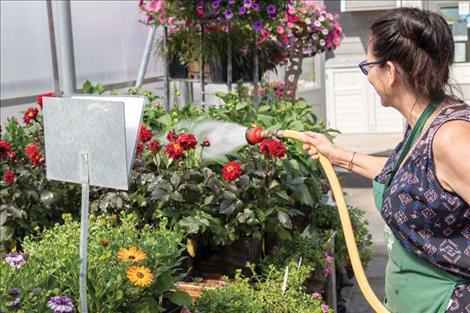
[{"x": 315, "y": 143}]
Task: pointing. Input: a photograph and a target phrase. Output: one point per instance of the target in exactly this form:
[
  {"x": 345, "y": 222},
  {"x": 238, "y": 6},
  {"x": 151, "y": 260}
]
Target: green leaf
[
  {"x": 165, "y": 120},
  {"x": 180, "y": 298},
  {"x": 164, "y": 282},
  {"x": 119, "y": 294},
  {"x": 240, "y": 105},
  {"x": 273, "y": 184},
  {"x": 284, "y": 219},
  {"x": 283, "y": 194},
  {"x": 146, "y": 305},
  {"x": 5, "y": 232},
  {"x": 175, "y": 179},
  {"x": 87, "y": 87},
  {"x": 177, "y": 196},
  {"x": 208, "y": 200}
]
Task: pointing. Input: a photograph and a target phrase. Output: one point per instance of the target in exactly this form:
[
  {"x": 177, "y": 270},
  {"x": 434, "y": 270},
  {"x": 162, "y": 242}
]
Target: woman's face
[{"x": 378, "y": 77}]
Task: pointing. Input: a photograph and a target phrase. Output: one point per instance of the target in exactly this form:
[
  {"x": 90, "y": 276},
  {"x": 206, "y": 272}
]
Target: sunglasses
[{"x": 365, "y": 66}]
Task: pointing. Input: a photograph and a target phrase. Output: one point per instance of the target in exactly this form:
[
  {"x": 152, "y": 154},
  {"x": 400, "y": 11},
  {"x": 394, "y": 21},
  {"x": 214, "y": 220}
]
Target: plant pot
[
  {"x": 241, "y": 251},
  {"x": 218, "y": 67},
  {"x": 194, "y": 70},
  {"x": 177, "y": 69}
]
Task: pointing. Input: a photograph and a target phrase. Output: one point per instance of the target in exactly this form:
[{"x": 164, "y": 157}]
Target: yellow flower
[
  {"x": 132, "y": 254},
  {"x": 139, "y": 275},
  {"x": 66, "y": 216}
]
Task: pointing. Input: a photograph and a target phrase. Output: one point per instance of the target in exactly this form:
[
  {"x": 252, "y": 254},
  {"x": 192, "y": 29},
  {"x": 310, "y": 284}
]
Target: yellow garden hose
[{"x": 347, "y": 227}]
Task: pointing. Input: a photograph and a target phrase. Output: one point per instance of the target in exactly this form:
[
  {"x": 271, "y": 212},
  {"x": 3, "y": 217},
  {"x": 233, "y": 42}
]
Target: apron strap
[{"x": 415, "y": 133}]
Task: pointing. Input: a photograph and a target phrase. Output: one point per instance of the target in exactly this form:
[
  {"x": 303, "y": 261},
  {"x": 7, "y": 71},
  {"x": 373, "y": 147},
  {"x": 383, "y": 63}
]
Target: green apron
[{"x": 412, "y": 285}]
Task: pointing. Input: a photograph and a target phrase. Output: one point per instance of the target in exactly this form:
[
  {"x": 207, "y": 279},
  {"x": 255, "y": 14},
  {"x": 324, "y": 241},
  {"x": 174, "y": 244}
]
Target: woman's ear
[{"x": 392, "y": 73}]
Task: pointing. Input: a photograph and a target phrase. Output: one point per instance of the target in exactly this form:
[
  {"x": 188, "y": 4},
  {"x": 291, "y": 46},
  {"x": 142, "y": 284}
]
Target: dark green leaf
[{"x": 180, "y": 298}]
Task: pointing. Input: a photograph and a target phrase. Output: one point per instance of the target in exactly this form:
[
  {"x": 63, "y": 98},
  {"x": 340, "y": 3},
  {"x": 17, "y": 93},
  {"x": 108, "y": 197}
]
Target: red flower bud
[
  {"x": 9, "y": 177},
  {"x": 154, "y": 146},
  {"x": 39, "y": 98},
  {"x": 145, "y": 134},
  {"x": 139, "y": 148},
  {"x": 31, "y": 149},
  {"x": 5, "y": 148},
  {"x": 170, "y": 136},
  {"x": 206, "y": 143}
]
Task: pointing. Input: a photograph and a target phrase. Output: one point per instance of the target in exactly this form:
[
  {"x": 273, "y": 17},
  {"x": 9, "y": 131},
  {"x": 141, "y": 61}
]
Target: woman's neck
[{"x": 411, "y": 107}]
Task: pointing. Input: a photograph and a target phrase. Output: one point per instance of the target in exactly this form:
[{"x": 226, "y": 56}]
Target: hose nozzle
[{"x": 255, "y": 135}]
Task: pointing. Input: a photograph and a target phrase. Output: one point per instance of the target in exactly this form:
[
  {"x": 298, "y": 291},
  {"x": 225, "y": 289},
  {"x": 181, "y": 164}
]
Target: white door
[{"x": 353, "y": 106}]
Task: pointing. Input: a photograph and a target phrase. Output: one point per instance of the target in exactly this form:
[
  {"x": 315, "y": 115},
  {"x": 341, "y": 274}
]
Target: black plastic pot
[
  {"x": 218, "y": 67},
  {"x": 241, "y": 251},
  {"x": 177, "y": 69}
]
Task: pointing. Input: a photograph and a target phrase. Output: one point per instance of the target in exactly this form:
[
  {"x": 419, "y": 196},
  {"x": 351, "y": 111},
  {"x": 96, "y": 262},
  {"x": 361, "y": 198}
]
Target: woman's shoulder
[{"x": 451, "y": 150}]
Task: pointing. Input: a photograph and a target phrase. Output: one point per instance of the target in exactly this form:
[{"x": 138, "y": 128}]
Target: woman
[{"x": 423, "y": 189}]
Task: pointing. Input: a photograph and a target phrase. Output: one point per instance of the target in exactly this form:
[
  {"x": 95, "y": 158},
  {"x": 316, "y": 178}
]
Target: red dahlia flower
[
  {"x": 187, "y": 141},
  {"x": 31, "y": 149},
  {"x": 154, "y": 145},
  {"x": 231, "y": 170},
  {"x": 35, "y": 157},
  {"x": 39, "y": 98},
  {"x": 9, "y": 177},
  {"x": 29, "y": 115},
  {"x": 5, "y": 148},
  {"x": 145, "y": 134},
  {"x": 173, "y": 150},
  {"x": 139, "y": 148},
  {"x": 271, "y": 147}
]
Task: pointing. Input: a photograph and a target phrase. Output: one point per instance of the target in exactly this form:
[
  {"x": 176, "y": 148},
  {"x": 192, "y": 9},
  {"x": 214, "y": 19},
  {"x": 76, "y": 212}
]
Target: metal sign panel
[{"x": 95, "y": 126}]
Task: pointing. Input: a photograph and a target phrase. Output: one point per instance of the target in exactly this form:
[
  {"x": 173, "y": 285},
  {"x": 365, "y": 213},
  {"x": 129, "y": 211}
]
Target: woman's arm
[
  {"x": 451, "y": 154},
  {"x": 363, "y": 164}
]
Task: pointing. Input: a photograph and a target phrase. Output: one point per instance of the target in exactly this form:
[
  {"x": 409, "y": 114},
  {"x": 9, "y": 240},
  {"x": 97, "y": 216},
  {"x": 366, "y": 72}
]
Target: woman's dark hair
[{"x": 421, "y": 43}]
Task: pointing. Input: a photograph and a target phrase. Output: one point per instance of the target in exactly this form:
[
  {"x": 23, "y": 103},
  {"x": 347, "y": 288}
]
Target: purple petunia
[
  {"x": 258, "y": 26},
  {"x": 215, "y": 4},
  {"x": 231, "y": 1},
  {"x": 228, "y": 14},
  {"x": 60, "y": 304},
  {"x": 255, "y": 6},
  {"x": 247, "y": 3},
  {"x": 16, "y": 303},
  {"x": 271, "y": 10},
  {"x": 15, "y": 259},
  {"x": 13, "y": 292},
  {"x": 242, "y": 10}
]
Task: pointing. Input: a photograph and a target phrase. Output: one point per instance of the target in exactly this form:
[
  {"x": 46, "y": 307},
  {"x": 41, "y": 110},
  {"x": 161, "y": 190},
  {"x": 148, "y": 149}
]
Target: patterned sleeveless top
[{"x": 430, "y": 222}]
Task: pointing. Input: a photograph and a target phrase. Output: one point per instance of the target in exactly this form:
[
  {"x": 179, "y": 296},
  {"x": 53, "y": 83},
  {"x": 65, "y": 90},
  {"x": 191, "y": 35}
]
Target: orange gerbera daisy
[
  {"x": 139, "y": 275},
  {"x": 132, "y": 254}
]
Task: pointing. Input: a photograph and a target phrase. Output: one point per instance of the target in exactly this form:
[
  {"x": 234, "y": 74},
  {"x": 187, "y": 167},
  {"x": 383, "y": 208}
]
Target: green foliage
[
  {"x": 31, "y": 201},
  {"x": 263, "y": 294},
  {"x": 52, "y": 266},
  {"x": 272, "y": 194}
]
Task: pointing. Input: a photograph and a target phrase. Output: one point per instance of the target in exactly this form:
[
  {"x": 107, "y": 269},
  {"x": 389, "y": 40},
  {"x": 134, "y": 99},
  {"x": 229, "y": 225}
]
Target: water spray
[{"x": 255, "y": 135}]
